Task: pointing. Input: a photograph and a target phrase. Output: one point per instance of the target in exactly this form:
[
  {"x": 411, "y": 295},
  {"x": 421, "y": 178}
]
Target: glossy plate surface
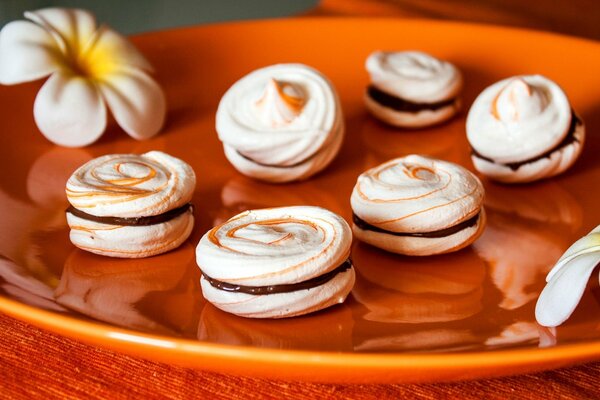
[{"x": 463, "y": 315}]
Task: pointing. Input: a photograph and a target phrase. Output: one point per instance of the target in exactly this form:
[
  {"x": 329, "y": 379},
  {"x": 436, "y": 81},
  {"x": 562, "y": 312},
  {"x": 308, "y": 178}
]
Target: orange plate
[{"x": 464, "y": 315}]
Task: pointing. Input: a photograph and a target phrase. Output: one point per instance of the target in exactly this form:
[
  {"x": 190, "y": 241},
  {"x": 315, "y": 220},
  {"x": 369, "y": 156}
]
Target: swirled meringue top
[
  {"x": 130, "y": 185},
  {"x": 275, "y": 246},
  {"x": 416, "y": 194},
  {"x": 518, "y": 118},
  {"x": 414, "y": 76},
  {"x": 278, "y": 115}
]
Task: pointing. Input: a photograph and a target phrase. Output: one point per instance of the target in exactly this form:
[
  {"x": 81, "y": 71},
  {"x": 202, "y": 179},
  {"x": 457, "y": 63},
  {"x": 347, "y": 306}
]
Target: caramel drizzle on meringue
[
  {"x": 427, "y": 209},
  {"x": 515, "y": 84},
  {"x": 122, "y": 189},
  {"x": 410, "y": 171},
  {"x": 212, "y": 237},
  {"x": 288, "y": 105}
]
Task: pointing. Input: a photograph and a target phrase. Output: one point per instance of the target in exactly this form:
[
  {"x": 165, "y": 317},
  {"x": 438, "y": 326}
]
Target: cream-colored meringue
[
  {"x": 129, "y": 185},
  {"x": 280, "y": 104},
  {"x": 415, "y": 195},
  {"x": 520, "y": 119},
  {"x": 414, "y": 76},
  {"x": 281, "y": 123},
  {"x": 277, "y": 246},
  {"x": 406, "y": 119},
  {"x": 423, "y": 246},
  {"x": 280, "y": 305},
  {"x": 130, "y": 241},
  {"x": 555, "y": 163}
]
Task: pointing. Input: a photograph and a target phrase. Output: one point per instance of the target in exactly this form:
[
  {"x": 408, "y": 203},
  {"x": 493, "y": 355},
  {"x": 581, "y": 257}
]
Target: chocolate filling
[
  {"x": 135, "y": 221},
  {"x": 278, "y": 166},
  {"x": 283, "y": 288},
  {"x": 569, "y": 138},
  {"x": 399, "y": 104},
  {"x": 362, "y": 224}
]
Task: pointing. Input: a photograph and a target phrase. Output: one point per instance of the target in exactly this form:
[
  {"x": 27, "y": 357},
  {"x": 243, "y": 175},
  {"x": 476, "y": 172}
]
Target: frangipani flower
[
  {"x": 567, "y": 280},
  {"x": 90, "y": 68}
]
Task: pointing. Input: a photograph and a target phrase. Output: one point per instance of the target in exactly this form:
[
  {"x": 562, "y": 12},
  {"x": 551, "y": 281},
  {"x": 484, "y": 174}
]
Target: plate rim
[{"x": 111, "y": 333}]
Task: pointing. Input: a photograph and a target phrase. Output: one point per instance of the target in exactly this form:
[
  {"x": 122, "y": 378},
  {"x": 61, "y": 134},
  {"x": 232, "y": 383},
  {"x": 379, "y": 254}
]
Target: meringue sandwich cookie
[
  {"x": 277, "y": 262},
  {"x": 131, "y": 206},
  {"x": 522, "y": 129},
  {"x": 418, "y": 206},
  {"x": 411, "y": 89},
  {"x": 281, "y": 123}
]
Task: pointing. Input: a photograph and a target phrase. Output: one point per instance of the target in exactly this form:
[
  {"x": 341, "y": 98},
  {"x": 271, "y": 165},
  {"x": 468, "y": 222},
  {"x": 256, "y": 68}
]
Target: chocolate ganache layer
[
  {"x": 279, "y": 166},
  {"x": 365, "y": 226},
  {"x": 283, "y": 288},
  {"x": 568, "y": 139},
  {"x": 399, "y": 104},
  {"x": 135, "y": 221}
]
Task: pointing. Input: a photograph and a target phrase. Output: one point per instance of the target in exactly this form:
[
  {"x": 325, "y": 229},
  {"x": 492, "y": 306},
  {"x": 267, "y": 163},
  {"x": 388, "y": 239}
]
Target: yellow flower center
[{"x": 93, "y": 61}]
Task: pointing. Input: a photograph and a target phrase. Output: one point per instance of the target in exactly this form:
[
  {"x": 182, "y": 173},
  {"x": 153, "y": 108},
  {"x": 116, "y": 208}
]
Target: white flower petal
[
  {"x": 70, "y": 111},
  {"x": 136, "y": 101},
  {"x": 109, "y": 47},
  {"x": 27, "y": 53},
  {"x": 587, "y": 244},
  {"x": 562, "y": 294},
  {"x": 71, "y": 27}
]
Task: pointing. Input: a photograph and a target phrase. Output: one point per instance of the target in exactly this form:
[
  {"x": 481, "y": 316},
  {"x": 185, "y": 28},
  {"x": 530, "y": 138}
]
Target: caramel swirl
[
  {"x": 275, "y": 246},
  {"x": 281, "y": 123},
  {"x": 416, "y": 194},
  {"x": 127, "y": 185}
]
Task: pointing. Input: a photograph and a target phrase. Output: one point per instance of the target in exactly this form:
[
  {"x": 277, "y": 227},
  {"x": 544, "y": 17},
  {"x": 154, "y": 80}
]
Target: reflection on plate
[
  {"x": 334, "y": 332},
  {"x": 456, "y": 316},
  {"x": 156, "y": 294}
]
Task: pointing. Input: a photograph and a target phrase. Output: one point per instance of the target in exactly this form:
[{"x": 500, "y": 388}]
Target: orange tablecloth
[{"x": 34, "y": 362}]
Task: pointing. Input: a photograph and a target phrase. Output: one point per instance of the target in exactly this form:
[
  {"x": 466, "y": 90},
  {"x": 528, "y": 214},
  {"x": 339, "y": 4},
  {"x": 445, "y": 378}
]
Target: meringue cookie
[
  {"x": 277, "y": 262},
  {"x": 417, "y": 205},
  {"x": 281, "y": 123},
  {"x": 522, "y": 129},
  {"x": 412, "y": 89},
  {"x": 131, "y": 206}
]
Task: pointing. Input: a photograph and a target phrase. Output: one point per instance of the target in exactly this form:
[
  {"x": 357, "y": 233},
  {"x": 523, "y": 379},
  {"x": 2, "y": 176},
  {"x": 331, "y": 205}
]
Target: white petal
[
  {"x": 109, "y": 47},
  {"x": 70, "y": 27},
  {"x": 70, "y": 111},
  {"x": 27, "y": 53},
  {"x": 562, "y": 294},
  {"x": 136, "y": 101},
  {"x": 587, "y": 244}
]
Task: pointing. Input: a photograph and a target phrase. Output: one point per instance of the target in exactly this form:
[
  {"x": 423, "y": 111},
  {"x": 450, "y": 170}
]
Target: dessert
[
  {"x": 419, "y": 206},
  {"x": 281, "y": 123},
  {"x": 277, "y": 262},
  {"x": 411, "y": 89},
  {"x": 522, "y": 129},
  {"x": 131, "y": 206},
  {"x": 567, "y": 280}
]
